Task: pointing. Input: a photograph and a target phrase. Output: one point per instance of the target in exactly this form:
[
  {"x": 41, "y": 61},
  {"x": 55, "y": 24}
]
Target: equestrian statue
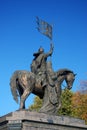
[{"x": 42, "y": 81}]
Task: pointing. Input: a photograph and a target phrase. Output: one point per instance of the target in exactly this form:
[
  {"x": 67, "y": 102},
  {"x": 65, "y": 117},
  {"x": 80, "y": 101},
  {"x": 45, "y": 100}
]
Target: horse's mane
[
  {"x": 63, "y": 71},
  {"x": 60, "y": 71}
]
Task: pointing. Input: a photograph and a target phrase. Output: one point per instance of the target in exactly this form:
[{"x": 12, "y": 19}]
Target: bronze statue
[
  {"x": 24, "y": 82},
  {"x": 42, "y": 81}
]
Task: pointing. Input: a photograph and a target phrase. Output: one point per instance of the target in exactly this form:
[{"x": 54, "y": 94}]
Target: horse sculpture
[{"x": 24, "y": 82}]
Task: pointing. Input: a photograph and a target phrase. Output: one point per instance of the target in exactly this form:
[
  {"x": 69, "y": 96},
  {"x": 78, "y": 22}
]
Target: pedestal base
[{"x": 26, "y": 120}]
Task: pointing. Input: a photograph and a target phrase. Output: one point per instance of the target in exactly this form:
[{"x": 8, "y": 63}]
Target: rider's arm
[{"x": 51, "y": 50}]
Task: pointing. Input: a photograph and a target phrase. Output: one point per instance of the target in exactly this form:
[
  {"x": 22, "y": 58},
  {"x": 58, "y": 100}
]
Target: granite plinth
[{"x": 26, "y": 120}]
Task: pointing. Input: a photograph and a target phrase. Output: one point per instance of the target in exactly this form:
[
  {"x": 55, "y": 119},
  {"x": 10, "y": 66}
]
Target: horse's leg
[
  {"x": 23, "y": 98},
  {"x": 27, "y": 82}
]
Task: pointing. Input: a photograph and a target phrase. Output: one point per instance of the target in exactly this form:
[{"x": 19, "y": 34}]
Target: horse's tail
[{"x": 13, "y": 85}]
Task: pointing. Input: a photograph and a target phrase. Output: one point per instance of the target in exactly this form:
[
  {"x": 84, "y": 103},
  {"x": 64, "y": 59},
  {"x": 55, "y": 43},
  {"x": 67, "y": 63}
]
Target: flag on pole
[{"x": 44, "y": 27}]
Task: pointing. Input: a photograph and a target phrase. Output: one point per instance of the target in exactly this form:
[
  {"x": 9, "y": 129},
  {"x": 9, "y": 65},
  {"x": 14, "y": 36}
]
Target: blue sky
[{"x": 19, "y": 39}]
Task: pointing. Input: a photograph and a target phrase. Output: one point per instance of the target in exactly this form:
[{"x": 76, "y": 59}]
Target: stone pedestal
[{"x": 26, "y": 120}]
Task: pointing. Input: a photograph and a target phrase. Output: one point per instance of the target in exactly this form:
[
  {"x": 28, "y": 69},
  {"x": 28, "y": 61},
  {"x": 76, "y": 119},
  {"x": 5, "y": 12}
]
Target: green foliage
[
  {"x": 36, "y": 105},
  {"x": 66, "y": 108}
]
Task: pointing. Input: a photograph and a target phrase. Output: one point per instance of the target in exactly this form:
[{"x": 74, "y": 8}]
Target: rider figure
[{"x": 39, "y": 65}]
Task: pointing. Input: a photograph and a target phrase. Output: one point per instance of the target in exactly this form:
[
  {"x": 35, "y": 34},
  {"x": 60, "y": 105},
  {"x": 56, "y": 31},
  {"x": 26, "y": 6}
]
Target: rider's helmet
[{"x": 40, "y": 50}]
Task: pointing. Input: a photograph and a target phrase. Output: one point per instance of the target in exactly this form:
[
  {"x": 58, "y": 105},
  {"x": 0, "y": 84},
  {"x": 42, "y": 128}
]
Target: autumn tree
[{"x": 79, "y": 102}]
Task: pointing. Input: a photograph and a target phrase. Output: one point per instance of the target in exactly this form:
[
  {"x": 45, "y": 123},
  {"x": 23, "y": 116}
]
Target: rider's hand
[{"x": 52, "y": 46}]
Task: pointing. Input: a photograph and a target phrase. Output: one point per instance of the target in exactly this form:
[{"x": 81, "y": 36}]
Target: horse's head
[
  {"x": 67, "y": 75},
  {"x": 70, "y": 77}
]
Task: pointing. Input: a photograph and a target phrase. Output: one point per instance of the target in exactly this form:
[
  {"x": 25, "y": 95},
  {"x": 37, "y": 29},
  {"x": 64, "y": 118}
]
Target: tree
[
  {"x": 36, "y": 105},
  {"x": 79, "y": 102},
  {"x": 66, "y": 108}
]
